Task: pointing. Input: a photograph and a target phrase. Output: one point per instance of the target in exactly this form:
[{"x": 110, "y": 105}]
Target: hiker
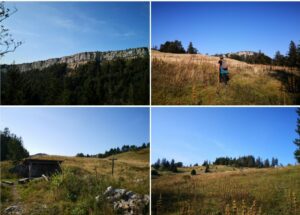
[{"x": 223, "y": 69}]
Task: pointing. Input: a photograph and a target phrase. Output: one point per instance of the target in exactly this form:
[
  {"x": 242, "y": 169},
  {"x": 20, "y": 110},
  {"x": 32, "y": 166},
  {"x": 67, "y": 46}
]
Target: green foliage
[
  {"x": 172, "y": 47},
  {"x": 114, "y": 151},
  {"x": 191, "y": 49},
  {"x": 166, "y": 165},
  {"x": 5, "y": 167},
  {"x": 12, "y": 146},
  {"x": 279, "y": 59},
  {"x": 292, "y": 55},
  {"x": 193, "y": 172},
  {"x": 80, "y": 209},
  {"x": 154, "y": 172},
  {"x": 207, "y": 169},
  {"x": 297, "y": 140},
  {"x": 256, "y": 58},
  {"x": 245, "y": 161},
  {"x": 292, "y": 59},
  {"x": 76, "y": 186},
  {"x": 120, "y": 81}
]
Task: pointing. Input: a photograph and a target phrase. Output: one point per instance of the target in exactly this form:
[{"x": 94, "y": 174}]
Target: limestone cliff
[{"x": 84, "y": 57}]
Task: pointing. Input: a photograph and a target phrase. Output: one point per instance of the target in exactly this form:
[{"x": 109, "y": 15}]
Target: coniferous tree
[
  {"x": 298, "y": 55},
  {"x": 12, "y": 147},
  {"x": 297, "y": 140},
  {"x": 279, "y": 59},
  {"x": 292, "y": 54},
  {"x": 191, "y": 49},
  {"x": 120, "y": 81},
  {"x": 207, "y": 168},
  {"x": 267, "y": 163}
]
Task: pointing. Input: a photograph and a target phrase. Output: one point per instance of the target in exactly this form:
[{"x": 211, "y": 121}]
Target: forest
[
  {"x": 291, "y": 59},
  {"x": 12, "y": 146},
  {"x": 242, "y": 161},
  {"x": 114, "y": 151},
  {"x": 116, "y": 82}
]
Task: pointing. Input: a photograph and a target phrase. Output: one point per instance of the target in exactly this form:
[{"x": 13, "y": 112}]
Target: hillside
[
  {"x": 133, "y": 156},
  {"x": 84, "y": 177},
  {"x": 194, "y": 79},
  {"x": 227, "y": 190},
  {"x": 110, "y": 78}
]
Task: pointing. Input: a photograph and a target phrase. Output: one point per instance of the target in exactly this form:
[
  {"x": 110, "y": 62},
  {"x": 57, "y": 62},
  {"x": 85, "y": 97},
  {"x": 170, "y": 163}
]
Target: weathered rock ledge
[{"x": 82, "y": 58}]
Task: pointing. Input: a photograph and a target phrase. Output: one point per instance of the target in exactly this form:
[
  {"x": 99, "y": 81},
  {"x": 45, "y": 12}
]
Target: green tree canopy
[
  {"x": 292, "y": 54},
  {"x": 12, "y": 147},
  {"x": 172, "y": 47},
  {"x": 297, "y": 140},
  {"x": 191, "y": 49}
]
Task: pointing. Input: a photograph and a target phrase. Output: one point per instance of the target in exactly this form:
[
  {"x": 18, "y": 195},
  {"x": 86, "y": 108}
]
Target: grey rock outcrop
[
  {"x": 81, "y": 58},
  {"x": 127, "y": 202},
  {"x": 13, "y": 210}
]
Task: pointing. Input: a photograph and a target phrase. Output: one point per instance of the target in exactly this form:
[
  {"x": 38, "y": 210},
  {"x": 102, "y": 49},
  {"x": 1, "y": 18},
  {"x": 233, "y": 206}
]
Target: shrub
[
  {"x": 207, "y": 169},
  {"x": 193, "y": 172},
  {"x": 154, "y": 172}
]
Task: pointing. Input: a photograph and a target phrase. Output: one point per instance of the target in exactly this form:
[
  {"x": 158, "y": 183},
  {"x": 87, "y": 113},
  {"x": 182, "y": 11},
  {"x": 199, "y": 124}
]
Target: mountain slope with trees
[
  {"x": 12, "y": 146},
  {"x": 116, "y": 82}
]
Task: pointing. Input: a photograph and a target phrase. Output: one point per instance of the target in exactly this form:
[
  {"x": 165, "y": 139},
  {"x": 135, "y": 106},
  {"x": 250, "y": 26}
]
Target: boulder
[
  {"x": 125, "y": 201},
  {"x": 13, "y": 210}
]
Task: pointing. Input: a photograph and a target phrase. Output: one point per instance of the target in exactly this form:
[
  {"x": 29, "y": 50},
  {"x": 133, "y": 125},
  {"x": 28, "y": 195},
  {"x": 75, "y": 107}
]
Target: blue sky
[
  {"x": 56, "y": 29},
  {"x": 68, "y": 131},
  {"x": 193, "y": 135},
  {"x": 222, "y": 27}
]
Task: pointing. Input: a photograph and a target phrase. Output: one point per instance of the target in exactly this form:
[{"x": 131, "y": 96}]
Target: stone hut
[{"x": 37, "y": 167}]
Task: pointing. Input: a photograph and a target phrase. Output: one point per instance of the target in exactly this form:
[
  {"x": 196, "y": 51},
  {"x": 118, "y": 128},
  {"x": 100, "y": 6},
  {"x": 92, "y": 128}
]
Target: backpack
[{"x": 224, "y": 64}]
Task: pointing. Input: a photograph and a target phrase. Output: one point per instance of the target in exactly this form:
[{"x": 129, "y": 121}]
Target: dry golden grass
[
  {"x": 240, "y": 191},
  {"x": 179, "y": 79}
]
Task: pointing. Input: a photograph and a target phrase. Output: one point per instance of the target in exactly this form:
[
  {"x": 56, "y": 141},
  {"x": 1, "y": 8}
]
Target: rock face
[
  {"x": 82, "y": 58},
  {"x": 127, "y": 202},
  {"x": 243, "y": 53}
]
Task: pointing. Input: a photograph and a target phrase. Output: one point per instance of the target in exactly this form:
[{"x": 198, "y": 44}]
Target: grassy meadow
[
  {"x": 179, "y": 79},
  {"x": 82, "y": 179},
  {"x": 227, "y": 190}
]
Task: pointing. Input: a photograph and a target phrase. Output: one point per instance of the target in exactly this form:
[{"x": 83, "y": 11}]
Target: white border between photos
[{"x": 150, "y": 105}]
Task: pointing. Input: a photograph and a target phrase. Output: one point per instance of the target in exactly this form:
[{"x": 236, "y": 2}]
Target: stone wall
[{"x": 84, "y": 57}]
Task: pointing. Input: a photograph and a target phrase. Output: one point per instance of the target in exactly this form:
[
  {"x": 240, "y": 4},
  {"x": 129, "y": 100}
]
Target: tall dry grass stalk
[{"x": 194, "y": 79}]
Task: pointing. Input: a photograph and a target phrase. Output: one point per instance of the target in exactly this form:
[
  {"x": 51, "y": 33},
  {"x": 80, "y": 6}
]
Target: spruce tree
[
  {"x": 298, "y": 56},
  {"x": 292, "y": 55},
  {"x": 297, "y": 140},
  {"x": 191, "y": 49},
  {"x": 279, "y": 59}
]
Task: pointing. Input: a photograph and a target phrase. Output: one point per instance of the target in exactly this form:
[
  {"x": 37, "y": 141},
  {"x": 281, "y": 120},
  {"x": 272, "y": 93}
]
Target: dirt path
[{"x": 15, "y": 208}]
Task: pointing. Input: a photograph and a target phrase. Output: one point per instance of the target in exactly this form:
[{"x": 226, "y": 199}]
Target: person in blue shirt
[{"x": 223, "y": 69}]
